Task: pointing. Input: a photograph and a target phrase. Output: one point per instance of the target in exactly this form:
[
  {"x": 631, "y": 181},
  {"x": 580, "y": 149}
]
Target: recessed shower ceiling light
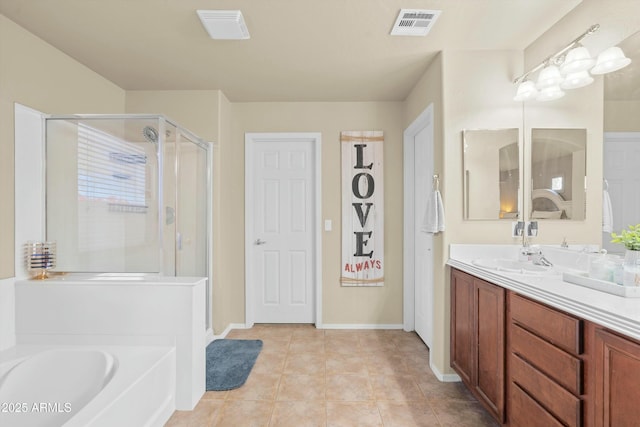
[
  {"x": 414, "y": 22},
  {"x": 224, "y": 24}
]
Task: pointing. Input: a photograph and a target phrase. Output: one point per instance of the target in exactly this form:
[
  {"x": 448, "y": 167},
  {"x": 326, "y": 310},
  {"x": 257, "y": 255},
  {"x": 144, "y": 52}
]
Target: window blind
[{"x": 111, "y": 170}]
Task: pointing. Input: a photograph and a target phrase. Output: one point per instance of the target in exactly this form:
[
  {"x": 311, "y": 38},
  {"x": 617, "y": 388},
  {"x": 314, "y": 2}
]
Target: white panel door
[
  {"x": 423, "y": 244},
  {"x": 283, "y": 246},
  {"x": 621, "y": 172}
]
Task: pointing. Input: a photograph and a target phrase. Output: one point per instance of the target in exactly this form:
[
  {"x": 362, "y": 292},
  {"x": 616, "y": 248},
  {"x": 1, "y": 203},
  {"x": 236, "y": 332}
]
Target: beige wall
[
  {"x": 210, "y": 115},
  {"x": 482, "y": 102},
  {"x": 479, "y": 100},
  {"x": 196, "y": 110},
  {"x": 618, "y": 19},
  {"x": 367, "y": 305},
  {"x": 430, "y": 90},
  {"x": 621, "y": 116},
  {"x": 482, "y": 99},
  {"x": 35, "y": 74}
]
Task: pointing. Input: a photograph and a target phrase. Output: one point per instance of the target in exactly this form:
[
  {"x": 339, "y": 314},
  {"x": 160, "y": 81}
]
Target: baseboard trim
[
  {"x": 231, "y": 326},
  {"x": 362, "y": 326},
  {"x": 228, "y": 329},
  {"x": 445, "y": 378}
]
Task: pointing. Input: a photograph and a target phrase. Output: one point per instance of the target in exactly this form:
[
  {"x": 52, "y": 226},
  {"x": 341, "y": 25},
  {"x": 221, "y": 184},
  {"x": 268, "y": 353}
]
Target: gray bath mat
[{"x": 229, "y": 363}]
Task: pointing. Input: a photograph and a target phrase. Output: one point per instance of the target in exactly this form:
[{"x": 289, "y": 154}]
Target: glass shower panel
[
  {"x": 102, "y": 194},
  {"x": 127, "y": 194},
  {"x": 192, "y": 241}
]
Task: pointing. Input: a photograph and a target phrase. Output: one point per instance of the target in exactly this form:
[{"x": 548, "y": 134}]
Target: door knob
[{"x": 259, "y": 242}]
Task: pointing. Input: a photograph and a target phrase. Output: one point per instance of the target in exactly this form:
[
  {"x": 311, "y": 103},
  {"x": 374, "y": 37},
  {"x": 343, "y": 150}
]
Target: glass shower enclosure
[{"x": 128, "y": 194}]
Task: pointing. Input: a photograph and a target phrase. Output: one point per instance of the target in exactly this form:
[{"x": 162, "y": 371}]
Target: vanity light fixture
[
  {"x": 570, "y": 68},
  {"x": 548, "y": 83},
  {"x": 549, "y": 76},
  {"x": 550, "y": 93},
  {"x": 576, "y": 80},
  {"x": 610, "y": 60},
  {"x": 577, "y": 59},
  {"x": 526, "y": 90}
]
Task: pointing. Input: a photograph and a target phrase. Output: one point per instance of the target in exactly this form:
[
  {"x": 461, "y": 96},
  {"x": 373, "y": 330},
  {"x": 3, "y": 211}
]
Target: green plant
[{"x": 629, "y": 238}]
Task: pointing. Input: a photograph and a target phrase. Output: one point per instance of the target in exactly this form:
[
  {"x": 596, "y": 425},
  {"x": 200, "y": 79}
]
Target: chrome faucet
[
  {"x": 539, "y": 259},
  {"x": 535, "y": 254}
]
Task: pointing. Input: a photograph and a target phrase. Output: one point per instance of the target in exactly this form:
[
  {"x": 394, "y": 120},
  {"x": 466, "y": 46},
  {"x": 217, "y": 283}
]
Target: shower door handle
[{"x": 259, "y": 242}]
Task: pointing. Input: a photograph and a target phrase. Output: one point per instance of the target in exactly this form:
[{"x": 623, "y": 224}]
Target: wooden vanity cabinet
[
  {"x": 617, "y": 380},
  {"x": 478, "y": 339},
  {"x": 546, "y": 360},
  {"x": 532, "y": 365}
]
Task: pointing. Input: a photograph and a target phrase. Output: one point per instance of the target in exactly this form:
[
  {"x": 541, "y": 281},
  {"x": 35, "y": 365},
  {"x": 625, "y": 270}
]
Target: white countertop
[{"x": 614, "y": 312}]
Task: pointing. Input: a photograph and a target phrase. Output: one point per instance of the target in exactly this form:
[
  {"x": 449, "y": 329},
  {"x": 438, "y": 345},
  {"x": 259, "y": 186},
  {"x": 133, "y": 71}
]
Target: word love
[
  {"x": 362, "y": 208},
  {"x": 362, "y": 237}
]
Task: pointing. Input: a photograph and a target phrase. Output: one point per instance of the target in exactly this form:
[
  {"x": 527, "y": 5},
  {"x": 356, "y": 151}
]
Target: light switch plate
[{"x": 328, "y": 225}]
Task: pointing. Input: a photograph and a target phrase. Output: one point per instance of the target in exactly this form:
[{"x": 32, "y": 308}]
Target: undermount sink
[{"x": 511, "y": 266}]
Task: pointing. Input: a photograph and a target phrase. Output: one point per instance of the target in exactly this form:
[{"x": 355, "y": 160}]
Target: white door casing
[
  {"x": 423, "y": 242},
  {"x": 282, "y": 228},
  {"x": 418, "y": 246}
]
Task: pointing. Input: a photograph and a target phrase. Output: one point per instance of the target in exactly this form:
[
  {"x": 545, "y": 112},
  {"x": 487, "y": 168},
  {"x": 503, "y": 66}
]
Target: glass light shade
[
  {"x": 549, "y": 76},
  {"x": 576, "y": 80},
  {"x": 526, "y": 90},
  {"x": 578, "y": 59},
  {"x": 610, "y": 60},
  {"x": 550, "y": 93}
]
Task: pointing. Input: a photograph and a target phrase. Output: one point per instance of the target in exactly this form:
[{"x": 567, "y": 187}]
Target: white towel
[
  {"x": 434, "y": 215},
  {"x": 607, "y": 213}
]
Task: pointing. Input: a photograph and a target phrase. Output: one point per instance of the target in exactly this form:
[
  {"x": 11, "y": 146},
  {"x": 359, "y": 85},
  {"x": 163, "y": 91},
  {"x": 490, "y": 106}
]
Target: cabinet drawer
[
  {"x": 527, "y": 412},
  {"x": 561, "y": 366},
  {"x": 559, "y": 328},
  {"x": 555, "y": 399}
]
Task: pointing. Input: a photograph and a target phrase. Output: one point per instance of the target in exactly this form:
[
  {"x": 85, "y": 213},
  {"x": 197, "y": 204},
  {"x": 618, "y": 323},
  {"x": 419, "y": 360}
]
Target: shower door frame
[{"x": 207, "y": 146}]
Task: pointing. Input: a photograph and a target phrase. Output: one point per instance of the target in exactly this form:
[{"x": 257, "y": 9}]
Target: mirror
[
  {"x": 491, "y": 164},
  {"x": 558, "y": 169},
  {"x": 621, "y": 144}
]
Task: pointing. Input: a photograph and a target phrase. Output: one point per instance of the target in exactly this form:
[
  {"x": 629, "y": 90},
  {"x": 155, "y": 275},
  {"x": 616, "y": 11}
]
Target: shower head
[{"x": 150, "y": 134}]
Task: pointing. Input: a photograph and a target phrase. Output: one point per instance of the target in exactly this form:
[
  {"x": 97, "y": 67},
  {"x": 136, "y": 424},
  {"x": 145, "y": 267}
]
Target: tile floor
[{"x": 311, "y": 377}]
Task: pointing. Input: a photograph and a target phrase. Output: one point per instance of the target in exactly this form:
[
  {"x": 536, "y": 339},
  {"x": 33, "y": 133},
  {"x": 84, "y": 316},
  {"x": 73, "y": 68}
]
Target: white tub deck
[
  {"x": 120, "y": 309},
  {"x": 140, "y": 393}
]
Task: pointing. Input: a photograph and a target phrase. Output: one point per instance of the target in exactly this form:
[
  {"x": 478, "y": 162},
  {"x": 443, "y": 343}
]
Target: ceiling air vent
[
  {"x": 224, "y": 24},
  {"x": 414, "y": 22}
]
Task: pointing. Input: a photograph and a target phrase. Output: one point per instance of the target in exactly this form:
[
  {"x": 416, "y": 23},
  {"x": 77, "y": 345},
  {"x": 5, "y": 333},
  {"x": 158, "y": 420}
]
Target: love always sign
[{"x": 362, "y": 208}]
